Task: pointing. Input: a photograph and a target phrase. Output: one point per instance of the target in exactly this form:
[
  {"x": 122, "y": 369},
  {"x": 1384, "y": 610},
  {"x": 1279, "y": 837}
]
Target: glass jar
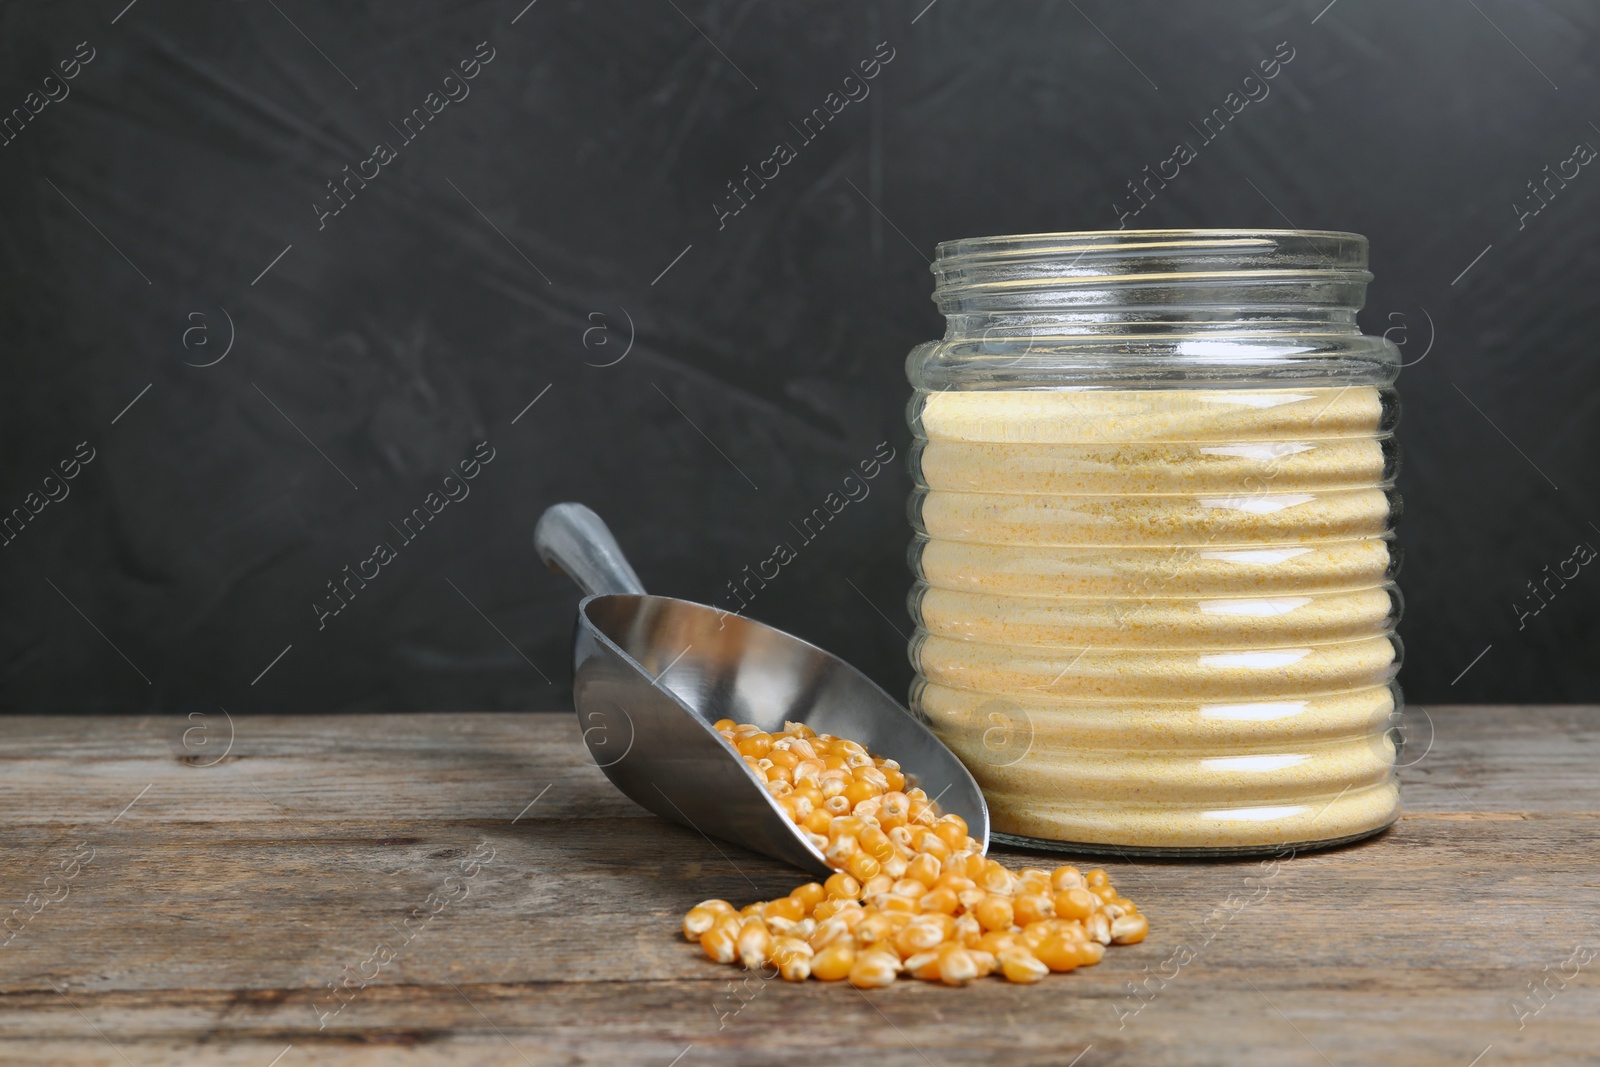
[{"x": 1153, "y": 510}]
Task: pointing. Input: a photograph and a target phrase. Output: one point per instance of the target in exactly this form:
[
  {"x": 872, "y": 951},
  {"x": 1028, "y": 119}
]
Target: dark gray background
[{"x": 459, "y": 285}]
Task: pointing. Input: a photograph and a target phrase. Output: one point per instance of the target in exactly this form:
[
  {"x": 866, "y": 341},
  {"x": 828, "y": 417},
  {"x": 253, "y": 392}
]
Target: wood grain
[{"x": 221, "y": 899}]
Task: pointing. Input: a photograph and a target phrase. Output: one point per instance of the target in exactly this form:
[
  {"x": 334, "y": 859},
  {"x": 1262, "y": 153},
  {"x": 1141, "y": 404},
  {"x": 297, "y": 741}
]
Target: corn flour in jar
[{"x": 1153, "y": 511}]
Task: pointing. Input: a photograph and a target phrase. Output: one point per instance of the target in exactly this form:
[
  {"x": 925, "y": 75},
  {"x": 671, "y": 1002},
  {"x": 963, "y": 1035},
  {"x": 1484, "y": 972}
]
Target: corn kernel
[
  {"x": 1076, "y": 903},
  {"x": 862, "y": 866},
  {"x": 720, "y": 944},
  {"x": 1058, "y": 954},
  {"x": 754, "y": 941},
  {"x": 1022, "y": 966},
  {"x": 699, "y": 919},
  {"x": 784, "y": 908},
  {"x": 925, "y": 869},
  {"x": 841, "y": 886},
  {"x": 1129, "y": 929},
  {"x": 995, "y": 912},
  {"x": 874, "y": 970},
  {"x": 956, "y": 966},
  {"x": 1032, "y": 907},
  {"x": 833, "y": 962}
]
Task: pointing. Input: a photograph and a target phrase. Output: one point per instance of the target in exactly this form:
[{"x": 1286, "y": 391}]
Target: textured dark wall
[{"x": 568, "y": 205}]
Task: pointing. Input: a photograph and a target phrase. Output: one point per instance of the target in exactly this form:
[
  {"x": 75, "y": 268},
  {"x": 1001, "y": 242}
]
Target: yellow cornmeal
[{"x": 1160, "y": 618}]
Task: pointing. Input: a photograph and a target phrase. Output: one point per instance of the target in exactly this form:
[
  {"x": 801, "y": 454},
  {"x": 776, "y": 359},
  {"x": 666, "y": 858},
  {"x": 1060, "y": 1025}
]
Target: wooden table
[{"x": 191, "y": 906}]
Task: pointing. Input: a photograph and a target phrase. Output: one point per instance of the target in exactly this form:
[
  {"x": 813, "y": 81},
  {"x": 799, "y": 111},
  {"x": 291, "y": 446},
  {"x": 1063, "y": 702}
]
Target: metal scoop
[{"x": 652, "y": 674}]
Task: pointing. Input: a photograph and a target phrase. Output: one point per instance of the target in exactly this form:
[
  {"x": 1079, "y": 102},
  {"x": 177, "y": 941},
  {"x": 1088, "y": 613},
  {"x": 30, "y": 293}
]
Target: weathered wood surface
[{"x": 221, "y": 899}]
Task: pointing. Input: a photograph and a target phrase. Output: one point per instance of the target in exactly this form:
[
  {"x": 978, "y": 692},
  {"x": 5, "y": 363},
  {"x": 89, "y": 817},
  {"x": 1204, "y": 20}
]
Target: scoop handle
[{"x": 572, "y": 540}]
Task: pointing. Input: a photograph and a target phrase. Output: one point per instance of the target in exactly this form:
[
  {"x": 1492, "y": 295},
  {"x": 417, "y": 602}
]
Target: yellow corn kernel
[
  {"x": 1032, "y": 907},
  {"x": 956, "y": 966},
  {"x": 924, "y": 965},
  {"x": 908, "y": 887},
  {"x": 894, "y": 903},
  {"x": 792, "y": 957},
  {"x": 723, "y": 724},
  {"x": 1030, "y": 886},
  {"x": 755, "y": 746},
  {"x": 929, "y": 843},
  {"x": 1076, "y": 903},
  {"x": 875, "y": 843},
  {"x": 809, "y": 896},
  {"x": 862, "y": 866},
  {"x": 868, "y": 809},
  {"x": 784, "y": 908},
  {"x": 943, "y": 901},
  {"x": 752, "y": 910},
  {"x": 995, "y": 912},
  {"x": 1022, "y": 966},
  {"x": 1065, "y": 878},
  {"x": 987, "y": 962},
  {"x": 1034, "y": 933},
  {"x": 858, "y": 792},
  {"x": 952, "y": 830},
  {"x": 874, "y": 927},
  {"x": 840, "y": 825},
  {"x": 953, "y": 881},
  {"x": 828, "y": 909},
  {"x": 833, "y": 962},
  {"x": 967, "y": 930},
  {"x": 840, "y": 849},
  {"x": 876, "y": 885},
  {"x": 1058, "y": 954},
  {"x": 720, "y": 944},
  {"x": 870, "y": 775},
  {"x": 827, "y": 933},
  {"x": 1091, "y": 952},
  {"x": 927, "y": 870},
  {"x": 841, "y": 886},
  {"x": 1097, "y": 877},
  {"x": 754, "y": 941},
  {"x": 1001, "y": 941},
  {"x": 917, "y": 936},
  {"x": 874, "y": 970},
  {"x": 698, "y": 920},
  {"x": 996, "y": 879},
  {"x": 893, "y": 811},
  {"x": 1127, "y": 930},
  {"x": 1098, "y": 927}
]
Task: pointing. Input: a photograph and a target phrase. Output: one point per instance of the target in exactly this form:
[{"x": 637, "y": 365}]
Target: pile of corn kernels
[{"x": 912, "y": 893}]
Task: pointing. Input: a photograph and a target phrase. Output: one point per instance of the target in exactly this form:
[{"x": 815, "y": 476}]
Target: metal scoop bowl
[{"x": 652, "y": 674}]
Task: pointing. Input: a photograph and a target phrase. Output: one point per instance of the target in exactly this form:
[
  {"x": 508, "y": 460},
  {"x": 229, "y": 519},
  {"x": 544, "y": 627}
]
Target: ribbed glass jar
[{"x": 1153, "y": 510}]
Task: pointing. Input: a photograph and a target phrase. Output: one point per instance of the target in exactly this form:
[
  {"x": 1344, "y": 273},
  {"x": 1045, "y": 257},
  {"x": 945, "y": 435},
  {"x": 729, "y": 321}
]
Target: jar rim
[
  {"x": 1128, "y": 240},
  {"x": 1245, "y": 267}
]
